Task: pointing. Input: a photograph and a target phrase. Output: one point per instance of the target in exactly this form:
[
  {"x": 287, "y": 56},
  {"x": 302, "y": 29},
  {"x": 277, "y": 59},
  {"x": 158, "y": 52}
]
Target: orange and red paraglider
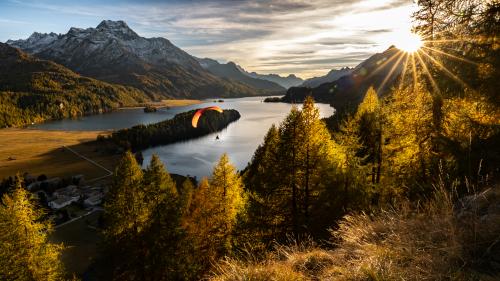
[{"x": 199, "y": 112}]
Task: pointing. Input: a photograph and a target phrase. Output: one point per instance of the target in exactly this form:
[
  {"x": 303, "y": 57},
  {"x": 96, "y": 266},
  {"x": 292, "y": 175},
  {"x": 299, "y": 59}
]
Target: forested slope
[{"x": 33, "y": 90}]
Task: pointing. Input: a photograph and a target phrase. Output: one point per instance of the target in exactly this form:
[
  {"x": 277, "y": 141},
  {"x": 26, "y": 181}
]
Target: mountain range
[
  {"x": 33, "y": 90},
  {"x": 235, "y": 71},
  {"x": 114, "y": 53},
  {"x": 287, "y": 82},
  {"x": 232, "y": 71},
  {"x": 127, "y": 68},
  {"x": 331, "y": 76},
  {"x": 380, "y": 71}
]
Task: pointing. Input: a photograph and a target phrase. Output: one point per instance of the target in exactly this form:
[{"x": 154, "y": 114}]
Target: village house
[
  {"x": 62, "y": 202},
  {"x": 64, "y": 197},
  {"x": 93, "y": 195}
]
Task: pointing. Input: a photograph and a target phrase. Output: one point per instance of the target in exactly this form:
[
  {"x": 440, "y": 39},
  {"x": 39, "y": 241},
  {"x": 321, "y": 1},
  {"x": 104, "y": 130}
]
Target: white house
[
  {"x": 64, "y": 197},
  {"x": 62, "y": 202}
]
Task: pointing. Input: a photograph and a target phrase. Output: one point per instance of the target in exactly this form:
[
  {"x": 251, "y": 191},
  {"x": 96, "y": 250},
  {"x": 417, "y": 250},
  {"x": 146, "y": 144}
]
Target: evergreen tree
[
  {"x": 288, "y": 174},
  {"x": 410, "y": 129},
  {"x": 186, "y": 196},
  {"x": 268, "y": 212},
  {"x": 215, "y": 209},
  {"x": 369, "y": 118},
  {"x": 128, "y": 216},
  {"x": 25, "y": 252},
  {"x": 351, "y": 172},
  {"x": 125, "y": 205},
  {"x": 315, "y": 154},
  {"x": 165, "y": 258},
  {"x": 288, "y": 164},
  {"x": 158, "y": 185},
  {"x": 227, "y": 182}
]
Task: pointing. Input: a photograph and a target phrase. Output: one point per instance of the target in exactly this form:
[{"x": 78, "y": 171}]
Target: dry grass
[
  {"x": 174, "y": 103},
  {"x": 433, "y": 242},
  {"x": 40, "y": 152}
]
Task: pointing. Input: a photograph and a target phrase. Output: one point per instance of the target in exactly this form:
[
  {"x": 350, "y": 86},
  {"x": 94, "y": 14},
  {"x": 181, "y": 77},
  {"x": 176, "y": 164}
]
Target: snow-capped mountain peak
[
  {"x": 35, "y": 42},
  {"x": 117, "y": 28},
  {"x": 110, "y": 40}
]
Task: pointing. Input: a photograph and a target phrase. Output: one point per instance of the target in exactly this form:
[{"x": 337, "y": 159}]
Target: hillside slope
[
  {"x": 115, "y": 53},
  {"x": 33, "y": 90},
  {"x": 284, "y": 81},
  {"x": 331, "y": 76},
  {"x": 231, "y": 71},
  {"x": 380, "y": 71}
]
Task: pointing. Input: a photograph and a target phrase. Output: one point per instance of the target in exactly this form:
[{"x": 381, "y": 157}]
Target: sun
[{"x": 409, "y": 42}]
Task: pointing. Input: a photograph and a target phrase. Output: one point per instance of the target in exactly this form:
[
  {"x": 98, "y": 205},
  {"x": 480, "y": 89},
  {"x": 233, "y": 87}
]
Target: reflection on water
[
  {"x": 239, "y": 140},
  {"x": 196, "y": 157},
  {"x": 123, "y": 118}
]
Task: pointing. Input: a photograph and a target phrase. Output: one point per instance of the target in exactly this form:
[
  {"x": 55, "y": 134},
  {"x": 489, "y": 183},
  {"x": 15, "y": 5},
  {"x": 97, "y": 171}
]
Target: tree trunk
[
  {"x": 306, "y": 199},
  {"x": 379, "y": 156}
]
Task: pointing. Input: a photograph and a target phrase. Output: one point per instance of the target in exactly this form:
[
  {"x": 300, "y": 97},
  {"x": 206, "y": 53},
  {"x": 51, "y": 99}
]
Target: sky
[{"x": 307, "y": 38}]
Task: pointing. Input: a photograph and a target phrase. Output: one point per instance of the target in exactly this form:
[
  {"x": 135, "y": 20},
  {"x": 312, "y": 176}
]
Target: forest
[
  {"x": 402, "y": 186},
  {"x": 172, "y": 130},
  {"x": 33, "y": 90}
]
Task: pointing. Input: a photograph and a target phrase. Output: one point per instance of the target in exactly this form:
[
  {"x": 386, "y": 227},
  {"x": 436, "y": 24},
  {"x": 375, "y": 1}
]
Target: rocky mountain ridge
[{"x": 114, "y": 53}]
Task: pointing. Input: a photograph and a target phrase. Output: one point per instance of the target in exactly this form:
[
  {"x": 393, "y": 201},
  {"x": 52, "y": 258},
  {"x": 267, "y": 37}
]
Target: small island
[
  {"x": 149, "y": 109},
  {"x": 273, "y": 99},
  {"x": 173, "y": 130}
]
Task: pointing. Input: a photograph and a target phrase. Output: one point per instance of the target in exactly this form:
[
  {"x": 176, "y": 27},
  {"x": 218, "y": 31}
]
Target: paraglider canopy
[{"x": 199, "y": 112}]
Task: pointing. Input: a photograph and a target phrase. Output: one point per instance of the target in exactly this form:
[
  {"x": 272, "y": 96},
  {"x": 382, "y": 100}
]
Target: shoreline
[{"x": 165, "y": 103}]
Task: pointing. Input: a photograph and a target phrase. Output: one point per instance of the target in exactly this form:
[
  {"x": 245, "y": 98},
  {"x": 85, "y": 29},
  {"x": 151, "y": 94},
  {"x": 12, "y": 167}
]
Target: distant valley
[
  {"x": 93, "y": 70},
  {"x": 34, "y": 90},
  {"x": 114, "y": 53},
  {"x": 235, "y": 71}
]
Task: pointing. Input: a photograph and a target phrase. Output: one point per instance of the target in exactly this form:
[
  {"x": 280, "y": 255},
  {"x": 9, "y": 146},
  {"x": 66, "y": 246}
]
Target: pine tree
[
  {"x": 289, "y": 172},
  {"x": 261, "y": 171},
  {"x": 158, "y": 185},
  {"x": 186, "y": 196},
  {"x": 410, "y": 128},
  {"x": 428, "y": 16},
  {"x": 25, "y": 252},
  {"x": 350, "y": 171},
  {"x": 369, "y": 118},
  {"x": 164, "y": 239},
  {"x": 268, "y": 211},
  {"x": 227, "y": 187},
  {"x": 202, "y": 225},
  {"x": 125, "y": 205},
  {"x": 128, "y": 216},
  {"x": 215, "y": 209},
  {"x": 316, "y": 155}
]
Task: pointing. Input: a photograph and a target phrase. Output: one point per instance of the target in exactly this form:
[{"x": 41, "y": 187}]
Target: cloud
[{"x": 306, "y": 37}]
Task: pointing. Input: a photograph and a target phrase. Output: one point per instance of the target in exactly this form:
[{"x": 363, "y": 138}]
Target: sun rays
[
  {"x": 416, "y": 59},
  {"x": 409, "y": 42}
]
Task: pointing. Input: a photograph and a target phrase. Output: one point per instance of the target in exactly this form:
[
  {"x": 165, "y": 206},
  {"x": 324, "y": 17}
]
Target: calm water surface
[{"x": 197, "y": 157}]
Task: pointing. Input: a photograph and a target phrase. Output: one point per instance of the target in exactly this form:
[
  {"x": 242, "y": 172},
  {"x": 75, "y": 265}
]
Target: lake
[{"x": 197, "y": 157}]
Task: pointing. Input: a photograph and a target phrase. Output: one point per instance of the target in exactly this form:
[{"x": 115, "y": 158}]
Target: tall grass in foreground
[{"x": 437, "y": 241}]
